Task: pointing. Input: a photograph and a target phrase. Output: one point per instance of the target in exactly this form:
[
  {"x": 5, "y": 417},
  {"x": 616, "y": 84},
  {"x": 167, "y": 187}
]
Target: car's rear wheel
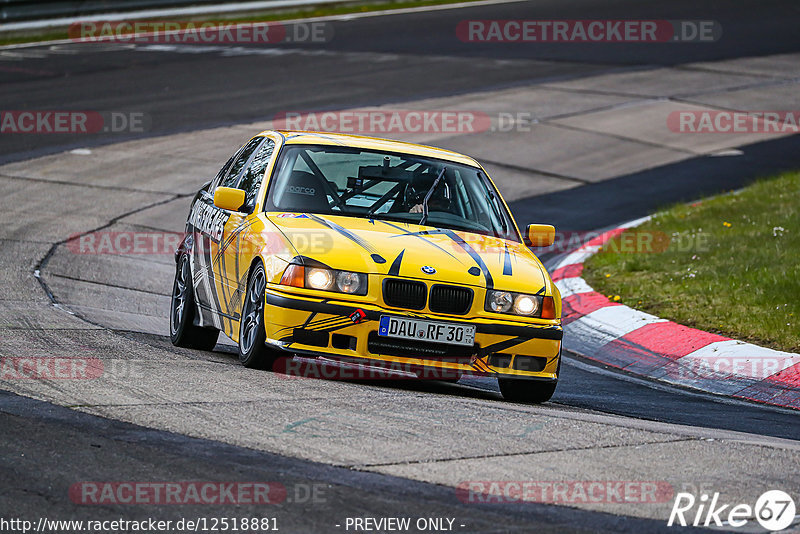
[
  {"x": 253, "y": 351},
  {"x": 528, "y": 391},
  {"x": 182, "y": 330}
]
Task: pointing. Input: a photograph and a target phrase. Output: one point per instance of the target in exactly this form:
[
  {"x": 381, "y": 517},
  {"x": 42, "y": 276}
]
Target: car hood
[{"x": 413, "y": 251}]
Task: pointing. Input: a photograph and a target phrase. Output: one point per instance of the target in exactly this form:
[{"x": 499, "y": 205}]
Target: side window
[
  {"x": 244, "y": 154},
  {"x": 254, "y": 175},
  {"x": 220, "y": 174}
]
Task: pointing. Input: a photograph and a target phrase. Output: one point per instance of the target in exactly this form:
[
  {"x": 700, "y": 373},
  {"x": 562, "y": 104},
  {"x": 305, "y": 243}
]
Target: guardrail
[{"x": 19, "y": 10}]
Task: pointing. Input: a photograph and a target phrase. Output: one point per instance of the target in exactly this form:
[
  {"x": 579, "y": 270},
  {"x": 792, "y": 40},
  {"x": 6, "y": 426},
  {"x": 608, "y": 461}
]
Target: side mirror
[
  {"x": 540, "y": 235},
  {"x": 229, "y": 198}
]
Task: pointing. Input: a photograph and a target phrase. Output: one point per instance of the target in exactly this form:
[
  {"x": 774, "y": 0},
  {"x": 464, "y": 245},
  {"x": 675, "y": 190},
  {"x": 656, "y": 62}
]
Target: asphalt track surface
[
  {"x": 112, "y": 450},
  {"x": 183, "y": 92}
]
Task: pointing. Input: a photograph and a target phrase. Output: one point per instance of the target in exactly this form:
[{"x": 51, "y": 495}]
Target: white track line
[{"x": 573, "y": 286}]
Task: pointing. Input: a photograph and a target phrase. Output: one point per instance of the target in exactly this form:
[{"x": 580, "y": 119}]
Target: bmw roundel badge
[{"x": 428, "y": 270}]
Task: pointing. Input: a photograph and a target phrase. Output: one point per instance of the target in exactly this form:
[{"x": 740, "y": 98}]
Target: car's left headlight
[
  {"x": 520, "y": 304},
  {"x": 323, "y": 279}
]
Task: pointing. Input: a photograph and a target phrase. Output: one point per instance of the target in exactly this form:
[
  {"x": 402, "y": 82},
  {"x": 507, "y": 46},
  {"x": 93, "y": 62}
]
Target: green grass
[
  {"x": 740, "y": 277},
  {"x": 266, "y": 16}
]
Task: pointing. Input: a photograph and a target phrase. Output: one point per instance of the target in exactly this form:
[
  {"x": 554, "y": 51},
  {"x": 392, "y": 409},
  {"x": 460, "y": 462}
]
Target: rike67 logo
[{"x": 774, "y": 510}]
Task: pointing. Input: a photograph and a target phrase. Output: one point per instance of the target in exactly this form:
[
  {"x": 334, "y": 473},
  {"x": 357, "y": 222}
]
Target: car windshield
[{"x": 381, "y": 185}]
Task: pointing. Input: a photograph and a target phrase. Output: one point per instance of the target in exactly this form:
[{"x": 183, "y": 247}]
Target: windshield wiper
[
  {"x": 390, "y": 217},
  {"x": 428, "y": 196},
  {"x": 496, "y": 208},
  {"x": 494, "y": 203}
]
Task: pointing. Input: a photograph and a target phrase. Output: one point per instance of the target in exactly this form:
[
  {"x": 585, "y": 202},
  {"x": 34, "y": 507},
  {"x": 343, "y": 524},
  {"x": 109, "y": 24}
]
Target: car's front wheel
[
  {"x": 182, "y": 330},
  {"x": 253, "y": 351},
  {"x": 528, "y": 391}
]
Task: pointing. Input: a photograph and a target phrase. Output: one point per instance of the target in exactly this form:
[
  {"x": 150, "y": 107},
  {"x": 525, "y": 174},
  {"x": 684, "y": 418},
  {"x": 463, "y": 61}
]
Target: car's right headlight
[{"x": 324, "y": 279}]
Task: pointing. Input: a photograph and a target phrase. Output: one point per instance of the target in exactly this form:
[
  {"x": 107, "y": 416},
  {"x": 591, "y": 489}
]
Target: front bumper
[{"x": 348, "y": 331}]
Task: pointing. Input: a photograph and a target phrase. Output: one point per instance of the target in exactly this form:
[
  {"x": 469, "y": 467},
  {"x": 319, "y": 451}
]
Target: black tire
[
  {"x": 253, "y": 351},
  {"x": 182, "y": 330},
  {"x": 527, "y": 391}
]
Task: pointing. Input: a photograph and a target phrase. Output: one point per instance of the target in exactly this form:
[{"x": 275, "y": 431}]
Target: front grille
[
  {"x": 453, "y": 300},
  {"x": 404, "y": 293},
  {"x": 406, "y": 348}
]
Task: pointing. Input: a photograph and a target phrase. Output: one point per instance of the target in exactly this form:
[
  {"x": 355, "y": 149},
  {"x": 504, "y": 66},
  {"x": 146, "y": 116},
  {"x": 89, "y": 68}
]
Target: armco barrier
[
  {"x": 14, "y": 10},
  {"x": 33, "y": 10}
]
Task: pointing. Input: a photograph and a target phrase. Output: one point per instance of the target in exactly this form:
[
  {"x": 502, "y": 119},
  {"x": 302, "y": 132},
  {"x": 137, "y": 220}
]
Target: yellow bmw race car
[{"x": 371, "y": 251}]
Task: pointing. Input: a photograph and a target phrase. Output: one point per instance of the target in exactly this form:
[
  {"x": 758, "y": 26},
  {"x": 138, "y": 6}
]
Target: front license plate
[{"x": 422, "y": 330}]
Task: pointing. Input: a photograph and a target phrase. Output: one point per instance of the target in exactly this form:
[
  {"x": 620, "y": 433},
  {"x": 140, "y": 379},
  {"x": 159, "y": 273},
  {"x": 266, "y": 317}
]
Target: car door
[
  {"x": 237, "y": 244},
  {"x": 208, "y": 223}
]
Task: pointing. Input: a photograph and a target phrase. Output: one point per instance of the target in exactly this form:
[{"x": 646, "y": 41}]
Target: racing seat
[{"x": 305, "y": 192}]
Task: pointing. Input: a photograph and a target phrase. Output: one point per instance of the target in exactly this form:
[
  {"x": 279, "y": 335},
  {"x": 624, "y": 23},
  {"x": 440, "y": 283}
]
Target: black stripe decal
[
  {"x": 227, "y": 316},
  {"x": 479, "y": 365},
  {"x": 420, "y": 235},
  {"x": 336, "y": 326},
  {"x": 377, "y": 258},
  {"x": 220, "y": 276},
  {"x": 474, "y": 255},
  {"x": 317, "y": 325},
  {"x": 214, "y": 302},
  {"x": 502, "y": 345},
  {"x": 507, "y": 263},
  {"x": 313, "y": 325},
  {"x": 394, "y": 270},
  {"x": 310, "y": 318}
]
